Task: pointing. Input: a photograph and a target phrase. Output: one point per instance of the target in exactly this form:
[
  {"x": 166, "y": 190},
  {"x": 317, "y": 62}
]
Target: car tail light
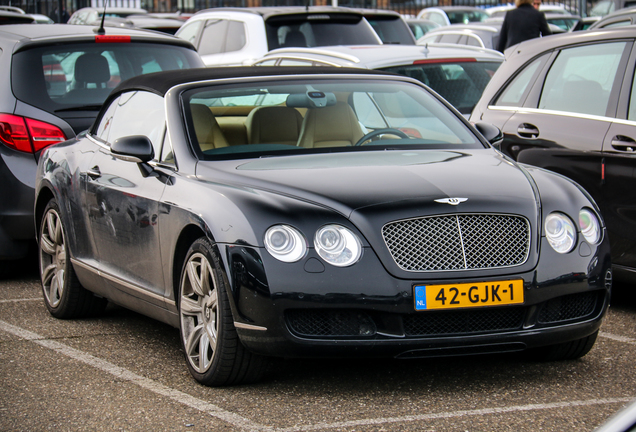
[
  {"x": 28, "y": 135},
  {"x": 112, "y": 39}
]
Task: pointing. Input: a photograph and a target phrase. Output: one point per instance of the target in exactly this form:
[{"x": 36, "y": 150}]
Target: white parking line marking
[
  {"x": 617, "y": 338},
  {"x": 20, "y": 300},
  {"x": 447, "y": 415},
  {"x": 246, "y": 424},
  {"x": 143, "y": 382}
]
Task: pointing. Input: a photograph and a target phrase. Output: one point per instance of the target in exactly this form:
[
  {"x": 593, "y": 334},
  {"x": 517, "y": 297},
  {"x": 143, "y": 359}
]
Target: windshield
[
  {"x": 392, "y": 30},
  {"x": 319, "y": 115},
  {"x": 465, "y": 17},
  {"x": 71, "y": 77},
  {"x": 319, "y": 30}
]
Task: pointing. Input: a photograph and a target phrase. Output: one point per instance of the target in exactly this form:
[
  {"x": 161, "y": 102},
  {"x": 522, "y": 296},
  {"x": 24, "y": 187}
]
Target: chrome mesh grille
[{"x": 458, "y": 242}]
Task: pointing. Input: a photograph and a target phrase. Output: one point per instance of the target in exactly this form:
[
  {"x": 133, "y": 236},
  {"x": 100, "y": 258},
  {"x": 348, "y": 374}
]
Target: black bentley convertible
[{"x": 306, "y": 212}]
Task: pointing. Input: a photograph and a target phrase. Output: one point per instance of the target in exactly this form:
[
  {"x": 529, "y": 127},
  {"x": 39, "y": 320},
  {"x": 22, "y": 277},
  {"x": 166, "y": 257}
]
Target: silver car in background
[
  {"x": 458, "y": 73},
  {"x": 238, "y": 36}
]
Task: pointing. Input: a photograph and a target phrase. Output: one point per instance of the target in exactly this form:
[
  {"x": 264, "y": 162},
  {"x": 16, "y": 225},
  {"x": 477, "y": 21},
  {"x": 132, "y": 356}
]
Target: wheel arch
[
  {"x": 44, "y": 196},
  {"x": 188, "y": 235}
]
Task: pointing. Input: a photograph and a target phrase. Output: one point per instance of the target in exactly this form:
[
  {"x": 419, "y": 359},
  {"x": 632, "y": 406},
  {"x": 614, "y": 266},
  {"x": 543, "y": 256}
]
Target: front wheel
[
  {"x": 64, "y": 296},
  {"x": 566, "y": 351},
  {"x": 213, "y": 351}
]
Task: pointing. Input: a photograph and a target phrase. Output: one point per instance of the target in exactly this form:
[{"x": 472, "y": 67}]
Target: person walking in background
[
  {"x": 56, "y": 17},
  {"x": 522, "y": 23}
]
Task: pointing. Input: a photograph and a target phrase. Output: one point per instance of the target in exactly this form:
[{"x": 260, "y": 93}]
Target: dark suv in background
[{"x": 56, "y": 78}]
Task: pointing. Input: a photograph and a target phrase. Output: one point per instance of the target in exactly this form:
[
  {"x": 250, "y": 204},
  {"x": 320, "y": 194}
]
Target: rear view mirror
[
  {"x": 136, "y": 148},
  {"x": 491, "y": 132},
  {"x": 311, "y": 99}
]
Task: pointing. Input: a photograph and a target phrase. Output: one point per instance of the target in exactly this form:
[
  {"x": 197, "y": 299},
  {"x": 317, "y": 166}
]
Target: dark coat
[{"x": 520, "y": 24}]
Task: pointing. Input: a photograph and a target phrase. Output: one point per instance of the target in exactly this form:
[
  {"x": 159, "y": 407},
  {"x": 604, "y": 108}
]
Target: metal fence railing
[{"x": 407, "y": 7}]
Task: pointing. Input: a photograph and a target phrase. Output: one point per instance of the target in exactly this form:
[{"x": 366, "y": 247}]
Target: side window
[
  {"x": 474, "y": 41},
  {"x": 213, "y": 37},
  {"x": 139, "y": 113},
  {"x": 189, "y": 32},
  {"x": 580, "y": 80},
  {"x": 167, "y": 156},
  {"x": 235, "y": 39},
  {"x": 437, "y": 18},
  {"x": 617, "y": 24},
  {"x": 602, "y": 8},
  {"x": 103, "y": 128},
  {"x": 418, "y": 32},
  {"x": 367, "y": 111},
  {"x": 516, "y": 91},
  {"x": 449, "y": 38},
  {"x": 631, "y": 115}
]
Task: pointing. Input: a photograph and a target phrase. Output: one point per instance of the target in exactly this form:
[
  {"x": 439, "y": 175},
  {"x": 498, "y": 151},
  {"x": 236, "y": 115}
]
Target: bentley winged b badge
[{"x": 451, "y": 201}]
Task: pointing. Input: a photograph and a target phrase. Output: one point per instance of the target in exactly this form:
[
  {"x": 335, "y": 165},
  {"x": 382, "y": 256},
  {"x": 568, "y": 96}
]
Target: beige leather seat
[
  {"x": 330, "y": 126},
  {"x": 277, "y": 124},
  {"x": 207, "y": 129}
]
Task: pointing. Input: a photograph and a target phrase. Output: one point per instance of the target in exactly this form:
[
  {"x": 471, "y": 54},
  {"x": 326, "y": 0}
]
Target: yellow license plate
[{"x": 467, "y": 295}]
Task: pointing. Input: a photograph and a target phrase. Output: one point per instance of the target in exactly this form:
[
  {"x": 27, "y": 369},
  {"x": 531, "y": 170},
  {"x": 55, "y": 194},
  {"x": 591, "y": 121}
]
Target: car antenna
[
  {"x": 425, "y": 51},
  {"x": 101, "y": 31}
]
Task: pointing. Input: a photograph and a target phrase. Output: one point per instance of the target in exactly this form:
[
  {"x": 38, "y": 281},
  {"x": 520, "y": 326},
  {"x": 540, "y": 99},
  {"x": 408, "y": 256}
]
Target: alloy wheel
[
  {"x": 199, "y": 311},
  {"x": 52, "y": 258}
]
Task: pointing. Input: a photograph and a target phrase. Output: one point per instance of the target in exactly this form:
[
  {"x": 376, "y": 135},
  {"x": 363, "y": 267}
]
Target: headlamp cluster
[
  {"x": 561, "y": 231},
  {"x": 335, "y": 244}
]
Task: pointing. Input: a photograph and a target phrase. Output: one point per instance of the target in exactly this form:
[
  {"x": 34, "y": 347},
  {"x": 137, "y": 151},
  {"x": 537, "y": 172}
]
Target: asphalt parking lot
[{"x": 123, "y": 371}]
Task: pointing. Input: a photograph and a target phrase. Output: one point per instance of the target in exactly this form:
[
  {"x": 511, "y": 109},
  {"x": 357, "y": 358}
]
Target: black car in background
[
  {"x": 8, "y": 17},
  {"x": 55, "y": 79},
  {"x": 566, "y": 103},
  {"x": 358, "y": 214}
]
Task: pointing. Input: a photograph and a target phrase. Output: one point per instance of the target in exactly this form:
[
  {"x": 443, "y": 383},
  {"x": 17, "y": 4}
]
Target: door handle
[
  {"x": 94, "y": 172},
  {"x": 623, "y": 143},
  {"x": 526, "y": 130}
]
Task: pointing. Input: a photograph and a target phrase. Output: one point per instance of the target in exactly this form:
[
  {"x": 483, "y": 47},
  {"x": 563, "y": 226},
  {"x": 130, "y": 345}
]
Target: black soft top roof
[{"x": 161, "y": 82}]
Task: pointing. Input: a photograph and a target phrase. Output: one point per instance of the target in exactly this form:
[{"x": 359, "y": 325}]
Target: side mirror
[
  {"x": 491, "y": 132},
  {"x": 136, "y": 148}
]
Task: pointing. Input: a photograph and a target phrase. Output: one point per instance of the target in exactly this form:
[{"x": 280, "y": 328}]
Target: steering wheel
[{"x": 377, "y": 132}]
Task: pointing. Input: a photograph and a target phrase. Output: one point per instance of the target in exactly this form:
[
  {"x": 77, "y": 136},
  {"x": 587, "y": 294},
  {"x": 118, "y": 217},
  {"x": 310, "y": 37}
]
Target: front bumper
[{"x": 310, "y": 309}]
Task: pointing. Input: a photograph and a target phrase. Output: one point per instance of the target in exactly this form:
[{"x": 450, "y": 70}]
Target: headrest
[
  {"x": 295, "y": 38},
  {"x": 92, "y": 68}
]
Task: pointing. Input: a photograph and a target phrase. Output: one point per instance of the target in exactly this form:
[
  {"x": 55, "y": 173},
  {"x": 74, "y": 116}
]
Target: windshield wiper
[{"x": 80, "y": 108}]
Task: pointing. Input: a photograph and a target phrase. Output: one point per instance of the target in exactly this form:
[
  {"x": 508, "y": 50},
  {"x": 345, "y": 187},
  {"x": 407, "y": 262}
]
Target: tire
[
  {"x": 566, "y": 351},
  {"x": 64, "y": 296},
  {"x": 213, "y": 352}
]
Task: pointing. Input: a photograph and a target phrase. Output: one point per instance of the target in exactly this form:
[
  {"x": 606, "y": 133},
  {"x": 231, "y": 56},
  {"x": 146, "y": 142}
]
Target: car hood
[{"x": 391, "y": 181}]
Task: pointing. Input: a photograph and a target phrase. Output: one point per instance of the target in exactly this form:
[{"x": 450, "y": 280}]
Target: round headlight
[
  {"x": 560, "y": 232},
  {"x": 337, "y": 245},
  {"x": 285, "y": 243},
  {"x": 590, "y": 226}
]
